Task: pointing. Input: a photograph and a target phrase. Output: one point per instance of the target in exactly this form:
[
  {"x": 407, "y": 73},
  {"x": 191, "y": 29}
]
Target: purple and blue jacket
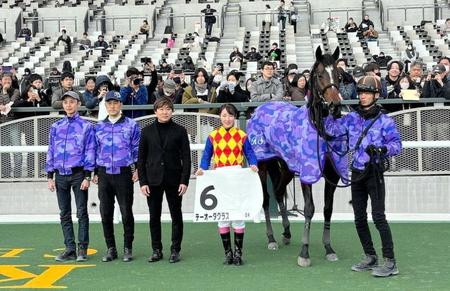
[
  {"x": 117, "y": 144},
  {"x": 71, "y": 145}
]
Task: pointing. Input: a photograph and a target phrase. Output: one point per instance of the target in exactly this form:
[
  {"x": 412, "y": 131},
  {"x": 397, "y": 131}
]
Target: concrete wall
[
  {"x": 125, "y": 25},
  {"x": 11, "y": 17},
  {"x": 51, "y": 27},
  {"x": 412, "y": 196}
]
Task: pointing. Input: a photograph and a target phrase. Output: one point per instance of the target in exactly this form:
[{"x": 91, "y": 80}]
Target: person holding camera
[
  {"x": 134, "y": 93},
  {"x": 230, "y": 91},
  {"x": 150, "y": 70},
  {"x": 436, "y": 84}
]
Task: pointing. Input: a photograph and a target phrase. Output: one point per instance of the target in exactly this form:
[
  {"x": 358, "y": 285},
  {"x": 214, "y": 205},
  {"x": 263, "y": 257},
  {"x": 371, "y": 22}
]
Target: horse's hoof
[
  {"x": 273, "y": 246},
  {"x": 286, "y": 240},
  {"x": 332, "y": 257},
  {"x": 303, "y": 262}
]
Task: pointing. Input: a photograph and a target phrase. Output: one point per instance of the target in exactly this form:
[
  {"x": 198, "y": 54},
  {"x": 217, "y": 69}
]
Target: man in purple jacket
[
  {"x": 372, "y": 137},
  {"x": 71, "y": 160},
  {"x": 117, "y": 138}
]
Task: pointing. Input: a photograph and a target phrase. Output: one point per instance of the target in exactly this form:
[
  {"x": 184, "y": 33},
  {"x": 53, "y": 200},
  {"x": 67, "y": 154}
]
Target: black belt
[
  {"x": 122, "y": 169},
  {"x": 75, "y": 170}
]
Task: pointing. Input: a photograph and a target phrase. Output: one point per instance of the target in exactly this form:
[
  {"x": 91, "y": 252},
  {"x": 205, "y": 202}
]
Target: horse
[{"x": 288, "y": 140}]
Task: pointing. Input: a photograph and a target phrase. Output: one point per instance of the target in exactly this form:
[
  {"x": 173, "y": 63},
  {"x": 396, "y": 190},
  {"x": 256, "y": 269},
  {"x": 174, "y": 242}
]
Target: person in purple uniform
[
  {"x": 70, "y": 161},
  {"x": 373, "y": 137},
  {"x": 117, "y": 140}
]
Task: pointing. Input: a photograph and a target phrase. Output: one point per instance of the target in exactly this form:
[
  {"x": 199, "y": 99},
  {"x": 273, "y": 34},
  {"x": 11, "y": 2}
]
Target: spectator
[
  {"x": 298, "y": 88},
  {"x": 358, "y": 73},
  {"x": 11, "y": 137},
  {"x": 23, "y": 83},
  {"x": 53, "y": 80},
  {"x": 373, "y": 69},
  {"x": 416, "y": 75},
  {"x": 145, "y": 28},
  {"x": 200, "y": 92},
  {"x": 67, "y": 67},
  {"x": 350, "y": 26},
  {"x": 85, "y": 42},
  {"x": 294, "y": 18},
  {"x": 150, "y": 72},
  {"x": 101, "y": 44},
  {"x": 436, "y": 84},
  {"x": 267, "y": 22},
  {"x": 347, "y": 85},
  {"x": 203, "y": 63},
  {"x": 445, "y": 29},
  {"x": 164, "y": 67},
  {"x": 66, "y": 40},
  {"x": 25, "y": 32},
  {"x": 134, "y": 93},
  {"x": 282, "y": 14},
  {"x": 178, "y": 77},
  {"x": 170, "y": 42},
  {"x": 230, "y": 91},
  {"x": 217, "y": 76},
  {"x": 365, "y": 24},
  {"x": 267, "y": 87},
  {"x": 446, "y": 62},
  {"x": 188, "y": 65},
  {"x": 66, "y": 85},
  {"x": 307, "y": 74},
  {"x": 371, "y": 34},
  {"x": 275, "y": 53},
  {"x": 88, "y": 94},
  {"x": 409, "y": 55},
  {"x": 236, "y": 57},
  {"x": 169, "y": 90},
  {"x": 253, "y": 55},
  {"x": 395, "y": 68},
  {"x": 382, "y": 60},
  {"x": 210, "y": 19},
  {"x": 289, "y": 75}
]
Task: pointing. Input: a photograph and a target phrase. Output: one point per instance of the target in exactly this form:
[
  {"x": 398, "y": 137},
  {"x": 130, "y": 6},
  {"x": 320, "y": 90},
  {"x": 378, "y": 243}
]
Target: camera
[
  {"x": 178, "y": 71},
  {"x": 136, "y": 81},
  {"x": 146, "y": 60}
]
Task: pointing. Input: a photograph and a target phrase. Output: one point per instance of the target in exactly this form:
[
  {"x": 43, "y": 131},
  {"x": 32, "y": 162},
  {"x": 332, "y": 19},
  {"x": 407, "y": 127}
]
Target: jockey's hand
[
  {"x": 254, "y": 168},
  {"x": 371, "y": 149},
  {"x": 199, "y": 172}
]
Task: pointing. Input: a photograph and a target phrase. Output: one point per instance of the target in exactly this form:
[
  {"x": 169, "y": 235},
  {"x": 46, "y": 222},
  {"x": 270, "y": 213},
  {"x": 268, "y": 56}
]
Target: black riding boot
[
  {"x": 226, "y": 241},
  {"x": 238, "y": 243}
]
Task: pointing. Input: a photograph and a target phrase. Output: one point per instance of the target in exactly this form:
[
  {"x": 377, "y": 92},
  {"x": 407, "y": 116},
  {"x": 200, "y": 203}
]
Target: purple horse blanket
[{"x": 279, "y": 129}]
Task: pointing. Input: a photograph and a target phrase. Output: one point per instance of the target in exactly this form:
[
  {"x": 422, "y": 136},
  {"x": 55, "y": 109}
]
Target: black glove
[
  {"x": 371, "y": 149},
  {"x": 383, "y": 150},
  {"x": 335, "y": 110}
]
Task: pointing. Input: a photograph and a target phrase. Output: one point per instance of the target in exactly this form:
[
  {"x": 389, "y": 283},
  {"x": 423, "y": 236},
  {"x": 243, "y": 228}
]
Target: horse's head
[{"x": 325, "y": 78}]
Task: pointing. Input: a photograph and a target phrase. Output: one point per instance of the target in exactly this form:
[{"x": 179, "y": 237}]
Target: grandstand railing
[
  {"x": 104, "y": 18},
  {"x": 3, "y": 24},
  {"x": 436, "y": 8},
  {"x": 29, "y": 20},
  {"x": 425, "y": 133},
  {"x": 333, "y": 11}
]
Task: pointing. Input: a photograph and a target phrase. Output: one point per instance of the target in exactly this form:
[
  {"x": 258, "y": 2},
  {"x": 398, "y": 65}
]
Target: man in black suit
[{"x": 164, "y": 165}]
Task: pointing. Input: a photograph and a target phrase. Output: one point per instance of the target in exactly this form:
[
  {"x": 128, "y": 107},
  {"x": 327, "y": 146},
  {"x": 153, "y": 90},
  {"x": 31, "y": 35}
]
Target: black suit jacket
[{"x": 171, "y": 161}]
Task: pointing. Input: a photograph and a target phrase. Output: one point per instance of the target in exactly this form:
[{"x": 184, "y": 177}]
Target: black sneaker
[
  {"x": 174, "y": 257},
  {"x": 389, "y": 268},
  {"x": 111, "y": 254},
  {"x": 368, "y": 263},
  {"x": 127, "y": 255},
  {"x": 67, "y": 255},
  {"x": 228, "y": 258},
  {"x": 82, "y": 255},
  {"x": 156, "y": 256}
]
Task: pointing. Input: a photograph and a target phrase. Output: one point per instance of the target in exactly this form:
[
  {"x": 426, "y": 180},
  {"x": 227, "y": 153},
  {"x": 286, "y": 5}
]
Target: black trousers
[
  {"x": 372, "y": 186},
  {"x": 154, "y": 202},
  {"x": 120, "y": 186}
]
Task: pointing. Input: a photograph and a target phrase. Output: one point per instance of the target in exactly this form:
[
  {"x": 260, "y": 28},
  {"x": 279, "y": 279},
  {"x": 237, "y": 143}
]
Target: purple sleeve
[
  {"x": 135, "y": 142},
  {"x": 89, "y": 149},
  {"x": 392, "y": 139},
  {"x": 51, "y": 149}
]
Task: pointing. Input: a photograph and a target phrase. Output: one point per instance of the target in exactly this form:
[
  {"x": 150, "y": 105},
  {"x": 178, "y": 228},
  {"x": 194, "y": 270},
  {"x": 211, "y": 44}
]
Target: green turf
[{"x": 421, "y": 249}]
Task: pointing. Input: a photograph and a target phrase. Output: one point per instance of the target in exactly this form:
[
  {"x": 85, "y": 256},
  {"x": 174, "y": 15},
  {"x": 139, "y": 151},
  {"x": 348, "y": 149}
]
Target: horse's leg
[
  {"x": 262, "y": 167},
  {"x": 331, "y": 175},
  {"x": 303, "y": 258},
  {"x": 285, "y": 179},
  {"x": 273, "y": 170}
]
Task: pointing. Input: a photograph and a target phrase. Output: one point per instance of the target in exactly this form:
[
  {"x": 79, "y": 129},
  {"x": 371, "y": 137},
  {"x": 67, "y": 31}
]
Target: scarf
[
  {"x": 369, "y": 113},
  {"x": 201, "y": 89}
]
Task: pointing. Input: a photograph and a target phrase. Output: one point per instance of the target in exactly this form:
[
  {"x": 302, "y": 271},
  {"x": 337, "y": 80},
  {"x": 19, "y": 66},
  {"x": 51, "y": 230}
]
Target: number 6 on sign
[{"x": 228, "y": 193}]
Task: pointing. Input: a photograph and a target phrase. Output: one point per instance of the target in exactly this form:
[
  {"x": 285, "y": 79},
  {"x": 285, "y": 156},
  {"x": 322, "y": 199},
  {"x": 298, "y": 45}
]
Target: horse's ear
[
  {"x": 319, "y": 54},
  {"x": 336, "y": 54}
]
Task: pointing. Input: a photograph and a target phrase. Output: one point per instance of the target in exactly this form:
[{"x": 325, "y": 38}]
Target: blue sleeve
[
  {"x": 124, "y": 93},
  {"x": 49, "y": 165},
  {"x": 89, "y": 150},
  {"x": 249, "y": 153},
  {"x": 392, "y": 139},
  {"x": 135, "y": 142},
  {"x": 207, "y": 155}
]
